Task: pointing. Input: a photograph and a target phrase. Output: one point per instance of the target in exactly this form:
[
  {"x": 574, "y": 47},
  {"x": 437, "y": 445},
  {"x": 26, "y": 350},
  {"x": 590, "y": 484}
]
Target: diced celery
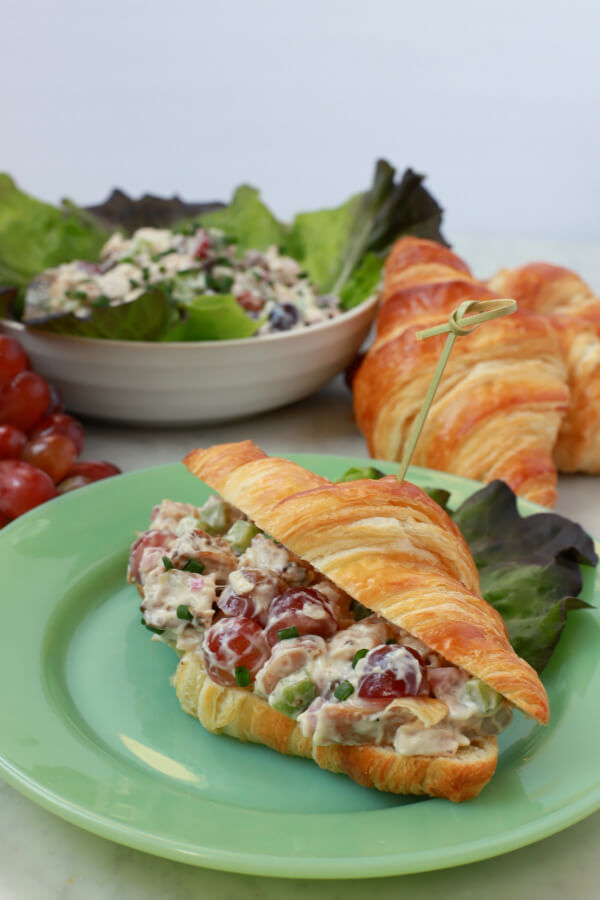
[
  {"x": 485, "y": 698},
  {"x": 240, "y": 534},
  {"x": 213, "y": 517},
  {"x": 293, "y": 694}
]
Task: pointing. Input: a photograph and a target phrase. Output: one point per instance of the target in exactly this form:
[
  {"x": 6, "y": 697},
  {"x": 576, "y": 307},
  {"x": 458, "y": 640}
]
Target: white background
[{"x": 497, "y": 102}]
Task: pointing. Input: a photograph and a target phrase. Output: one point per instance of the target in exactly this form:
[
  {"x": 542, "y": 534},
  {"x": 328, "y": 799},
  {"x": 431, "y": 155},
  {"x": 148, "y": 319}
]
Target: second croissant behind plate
[{"x": 499, "y": 406}]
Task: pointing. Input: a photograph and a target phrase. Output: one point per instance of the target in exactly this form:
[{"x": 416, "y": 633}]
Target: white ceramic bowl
[{"x": 139, "y": 382}]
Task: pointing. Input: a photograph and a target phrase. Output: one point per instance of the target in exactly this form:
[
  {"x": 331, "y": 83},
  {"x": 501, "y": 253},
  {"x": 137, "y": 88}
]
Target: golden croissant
[
  {"x": 503, "y": 395},
  {"x": 574, "y": 312},
  {"x": 337, "y": 621}
]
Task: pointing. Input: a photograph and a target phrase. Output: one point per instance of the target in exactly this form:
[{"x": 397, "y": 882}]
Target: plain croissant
[
  {"x": 574, "y": 312},
  {"x": 499, "y": 406}
]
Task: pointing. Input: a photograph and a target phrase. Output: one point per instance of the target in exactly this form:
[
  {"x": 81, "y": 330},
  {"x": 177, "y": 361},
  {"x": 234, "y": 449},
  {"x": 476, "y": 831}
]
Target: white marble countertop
[{"x": 43, "y": 856}]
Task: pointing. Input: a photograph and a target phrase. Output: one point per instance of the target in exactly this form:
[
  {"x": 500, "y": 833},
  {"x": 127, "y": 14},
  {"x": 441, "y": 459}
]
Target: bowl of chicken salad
[{"x": 218, "y": 316}]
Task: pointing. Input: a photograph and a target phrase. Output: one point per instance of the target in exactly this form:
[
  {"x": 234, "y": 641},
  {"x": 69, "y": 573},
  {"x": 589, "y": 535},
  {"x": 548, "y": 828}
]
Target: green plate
[{"x": 92, "y": 730}]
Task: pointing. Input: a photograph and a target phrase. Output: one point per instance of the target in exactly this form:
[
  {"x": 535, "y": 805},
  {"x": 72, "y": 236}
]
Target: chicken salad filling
[
  {"x": 271, "y": 288},
  {"x": 263, "y": 619}
]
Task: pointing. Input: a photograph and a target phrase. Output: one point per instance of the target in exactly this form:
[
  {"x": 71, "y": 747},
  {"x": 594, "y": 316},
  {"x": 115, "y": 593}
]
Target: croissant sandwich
[{"x": 337, "y": 621}]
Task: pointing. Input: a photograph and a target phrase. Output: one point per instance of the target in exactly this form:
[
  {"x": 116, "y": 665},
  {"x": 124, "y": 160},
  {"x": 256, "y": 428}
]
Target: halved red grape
[
  {"x": 250, "y": 592},
  {"x": 231, "y": 644},
  {"x": 147, "y": 539},
  {"x": 22, "y": 486},
  {"x": 12, "y": 442},
  {"x": 24, "y": 400},
  {"x": 60, "y": 423},
  {"x": 12, "y": 359},
  {"x": 303, "y": 609},
  {"x": 94, "y": 469},
  {"x": 390, "y": 671}
]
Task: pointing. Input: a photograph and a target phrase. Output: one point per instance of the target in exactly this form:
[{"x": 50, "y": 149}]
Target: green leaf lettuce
[
  {"x": 35, "y": 236},
  {"x": 213, "y": 317},
  {"x": 528, "y": 567}
]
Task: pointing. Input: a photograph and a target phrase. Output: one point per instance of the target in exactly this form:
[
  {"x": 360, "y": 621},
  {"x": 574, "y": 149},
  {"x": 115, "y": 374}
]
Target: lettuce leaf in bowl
[
  {"x": 247, "y": 220},
  {"x": 343, "y": 249},
  {"x": 142, "y": 319},
  {"x": 213, "y": 317},
  {"x": 35, "y": 236}
]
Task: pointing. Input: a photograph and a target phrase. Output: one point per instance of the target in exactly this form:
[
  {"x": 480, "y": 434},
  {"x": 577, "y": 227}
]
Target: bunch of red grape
[{"x": 39, "y": 443}]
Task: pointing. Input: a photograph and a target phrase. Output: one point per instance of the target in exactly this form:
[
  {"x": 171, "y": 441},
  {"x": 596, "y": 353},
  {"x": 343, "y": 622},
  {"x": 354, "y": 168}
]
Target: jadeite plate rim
[{"x": 574, "y": 808}]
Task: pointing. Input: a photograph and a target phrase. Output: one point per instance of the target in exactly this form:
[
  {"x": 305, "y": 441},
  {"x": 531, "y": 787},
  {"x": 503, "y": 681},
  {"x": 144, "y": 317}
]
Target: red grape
[
  {"x": 24, "y": 400},
  {"x": 60, "y": 423},
  {"x": 56, "y": 404},
  {"x": 303, "y": 608},
  {"x": 22, "y": 486},
  {"x": 252, "y": 598},
  {"x": 72, "y": 483},
  {"x": 391, "y": 671},
  {"x": 94, "y": 469},
  {"x": 53, "y": 454},
  {"x": 12, "y": 442},
  {"x": 147, "y": 539},
  {"x": 233, "y": 643},
  {"x": 203, "y": 245},
  {"x": 4, "y": 520},
  {"x": 12, "y": 359}
]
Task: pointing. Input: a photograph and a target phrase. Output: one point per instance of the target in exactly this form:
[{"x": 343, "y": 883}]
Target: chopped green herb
[
  {"x": 183, "y": 612},
  {"x": 242, "y": 676},
  {"x": 133, "y": 283},
  {"x": 146, "y": 273},
  {"x": 359, "y": 655},
  {"x": 101, "y": 300},
  {"x": 391, "y": 641},
  {"x": 151, "y": 628},
  {"x": 157, "y": 256},
  {"x": 284, "y": 633},
  {"x": 167, "y": 563},
  {"x": 76, "y": 295},
  {"x": 194, "y": 565},
  {"x": 220, "y": 285},
  {"x": 343, "y": 690}
]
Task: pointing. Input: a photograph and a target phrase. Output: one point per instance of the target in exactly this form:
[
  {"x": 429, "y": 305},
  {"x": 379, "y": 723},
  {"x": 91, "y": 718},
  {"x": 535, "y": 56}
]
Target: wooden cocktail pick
[{"x": 463, "y": 320}]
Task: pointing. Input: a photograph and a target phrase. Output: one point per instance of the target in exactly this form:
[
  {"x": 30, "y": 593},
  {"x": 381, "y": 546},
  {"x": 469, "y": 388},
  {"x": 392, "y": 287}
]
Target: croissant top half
[{"x": 389, "y": 546}]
